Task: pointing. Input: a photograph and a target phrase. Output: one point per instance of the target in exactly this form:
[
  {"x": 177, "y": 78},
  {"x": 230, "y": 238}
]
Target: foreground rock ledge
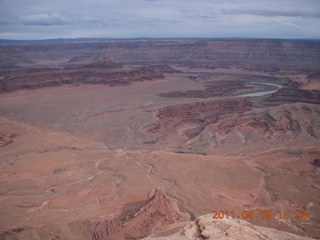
[{"x": 207, "y": 228}]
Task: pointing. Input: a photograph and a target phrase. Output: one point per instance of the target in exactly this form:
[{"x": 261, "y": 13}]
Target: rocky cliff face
[
  {"x": 213, "y": 229},
  {"x": 253, "y": 54},
  {"x": 101, "y": 72}
]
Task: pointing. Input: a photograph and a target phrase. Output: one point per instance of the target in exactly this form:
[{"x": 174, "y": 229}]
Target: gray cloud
[
  {"x": 44, "y": 19},
  {"x": 203, "y": 15},
  {"x": 4, "y": 21},
  {"x": 25, "y": 19},
  {"x": 310, "y": 13}
]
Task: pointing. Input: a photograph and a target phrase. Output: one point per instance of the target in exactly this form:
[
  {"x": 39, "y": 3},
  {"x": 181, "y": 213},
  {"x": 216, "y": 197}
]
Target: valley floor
[{"x": 74, "y": 153}]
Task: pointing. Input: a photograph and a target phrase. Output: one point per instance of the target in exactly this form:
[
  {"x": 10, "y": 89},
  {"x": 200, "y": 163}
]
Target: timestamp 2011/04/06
[{"x": 259, "y": 214}]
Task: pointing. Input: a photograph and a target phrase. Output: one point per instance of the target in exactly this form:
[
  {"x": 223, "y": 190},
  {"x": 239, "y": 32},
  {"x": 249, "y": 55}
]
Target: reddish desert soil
[{"x": 81, "y": 153}]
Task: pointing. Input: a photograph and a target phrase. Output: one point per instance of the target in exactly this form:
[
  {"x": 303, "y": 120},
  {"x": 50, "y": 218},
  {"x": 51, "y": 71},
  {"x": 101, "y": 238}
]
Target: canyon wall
[
  {"x": 100, "y": 72},
  {"x": 269, "y": 55}
]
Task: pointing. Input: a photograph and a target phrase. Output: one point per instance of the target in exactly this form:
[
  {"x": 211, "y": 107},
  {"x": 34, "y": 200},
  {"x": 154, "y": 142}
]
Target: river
[{"x": 258, "y": 94}]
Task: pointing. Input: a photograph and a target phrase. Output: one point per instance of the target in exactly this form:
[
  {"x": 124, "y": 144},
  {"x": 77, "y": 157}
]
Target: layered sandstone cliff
[
  {"x": 269, "y": 55},
  {"x": 100, "y": 72}
]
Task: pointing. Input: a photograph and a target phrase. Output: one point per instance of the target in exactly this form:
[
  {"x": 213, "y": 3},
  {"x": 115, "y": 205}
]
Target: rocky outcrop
[
  {"x": 212, "y": 89},
  {"x": 139, "y": 221},
  {"x": 316, "y": 163},
  {"x": 136, "y": 221},
  {"x": 101, "y": 72},
  {"x": 227, "y": 228},
  {"x": 234, "y": 126},
  {"x": 194, "y": 117},
  {"x": 6, "y": 139},
  {"x": 256, "y": 130}
]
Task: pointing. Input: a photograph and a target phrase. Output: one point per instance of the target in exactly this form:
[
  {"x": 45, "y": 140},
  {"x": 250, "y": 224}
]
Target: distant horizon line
[{"x": 152, "y": 38}]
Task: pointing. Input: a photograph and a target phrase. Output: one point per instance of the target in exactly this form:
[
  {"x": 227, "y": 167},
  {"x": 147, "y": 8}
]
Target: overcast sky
[{"x": 43, "y": 19}]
